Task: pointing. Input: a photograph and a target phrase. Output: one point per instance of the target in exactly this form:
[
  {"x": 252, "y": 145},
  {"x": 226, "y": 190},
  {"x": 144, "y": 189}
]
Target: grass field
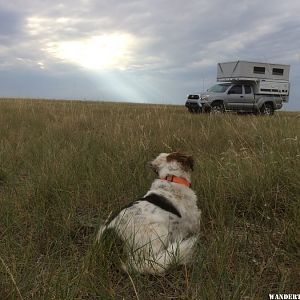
[{"x": 64, "y": 166}]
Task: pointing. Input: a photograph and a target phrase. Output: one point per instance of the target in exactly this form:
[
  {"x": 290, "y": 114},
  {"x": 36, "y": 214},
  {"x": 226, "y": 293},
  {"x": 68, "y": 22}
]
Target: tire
[
  {"x": 217, "y": 108},
  {"x": 267, "y": 109}
]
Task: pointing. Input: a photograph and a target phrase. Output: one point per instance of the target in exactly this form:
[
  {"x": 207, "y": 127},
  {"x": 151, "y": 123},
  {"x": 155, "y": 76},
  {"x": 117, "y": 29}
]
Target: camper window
[
  {"x": 259, "y": 70},
  {"x": 277, "y": 71}
]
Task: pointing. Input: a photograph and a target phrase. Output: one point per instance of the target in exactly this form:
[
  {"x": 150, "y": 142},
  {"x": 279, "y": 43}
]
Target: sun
[{"x": 107, "y": 51}]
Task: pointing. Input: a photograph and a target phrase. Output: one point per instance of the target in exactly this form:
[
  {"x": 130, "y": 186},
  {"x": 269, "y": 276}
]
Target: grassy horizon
[{"x": 65, "y": 165}]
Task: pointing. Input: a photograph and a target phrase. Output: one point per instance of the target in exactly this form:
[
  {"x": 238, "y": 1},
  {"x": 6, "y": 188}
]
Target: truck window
[
  {"x": 236, "y": 89},
  {"x": 219, "y": 88},
  {"x": 247, "y": 88}
]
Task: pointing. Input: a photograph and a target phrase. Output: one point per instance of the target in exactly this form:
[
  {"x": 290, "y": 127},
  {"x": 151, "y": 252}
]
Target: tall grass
[{"x": 64, "y": 166}]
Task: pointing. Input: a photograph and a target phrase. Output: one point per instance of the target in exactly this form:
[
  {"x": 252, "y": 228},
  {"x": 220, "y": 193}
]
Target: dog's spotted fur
[{"x": 161, "y": 228}]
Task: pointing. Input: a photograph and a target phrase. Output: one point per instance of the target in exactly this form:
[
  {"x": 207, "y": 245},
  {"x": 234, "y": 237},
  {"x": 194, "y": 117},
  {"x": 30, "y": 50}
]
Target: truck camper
[{"x": 244, "y": 86}]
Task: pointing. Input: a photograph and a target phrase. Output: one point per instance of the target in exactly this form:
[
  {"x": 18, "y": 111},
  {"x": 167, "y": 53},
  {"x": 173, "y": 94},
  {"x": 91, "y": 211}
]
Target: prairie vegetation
[{"x": 64, "y": 166}]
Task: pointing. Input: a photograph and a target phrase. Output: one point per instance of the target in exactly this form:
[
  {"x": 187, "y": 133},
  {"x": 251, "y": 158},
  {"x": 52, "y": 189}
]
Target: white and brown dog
[{"x": 161, "y": 228}]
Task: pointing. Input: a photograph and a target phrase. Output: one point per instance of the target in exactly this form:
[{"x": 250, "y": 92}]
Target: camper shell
[{"x": 267, "y": 78}]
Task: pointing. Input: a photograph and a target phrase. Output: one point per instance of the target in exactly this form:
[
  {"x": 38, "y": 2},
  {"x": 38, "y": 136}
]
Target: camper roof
[{"x": 247, "y": 70}]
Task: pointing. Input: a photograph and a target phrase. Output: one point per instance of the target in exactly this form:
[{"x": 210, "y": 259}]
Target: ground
[{"x": 65, "y": 165}]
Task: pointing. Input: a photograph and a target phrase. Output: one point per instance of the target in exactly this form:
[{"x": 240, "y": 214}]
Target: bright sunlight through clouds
[
  {"x": 100, "y": 51},
  {"x": 107, "y": 51}
]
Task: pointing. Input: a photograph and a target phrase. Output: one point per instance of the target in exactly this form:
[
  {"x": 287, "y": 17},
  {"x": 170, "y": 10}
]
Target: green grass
[{"x": 64, "y": 166}]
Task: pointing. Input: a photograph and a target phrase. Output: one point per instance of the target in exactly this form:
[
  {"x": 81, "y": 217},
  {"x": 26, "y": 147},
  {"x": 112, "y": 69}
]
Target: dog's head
[{"x": 174, "y": 163}]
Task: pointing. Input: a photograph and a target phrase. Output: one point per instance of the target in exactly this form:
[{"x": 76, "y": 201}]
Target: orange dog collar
[{"x": 176, "y": 179}]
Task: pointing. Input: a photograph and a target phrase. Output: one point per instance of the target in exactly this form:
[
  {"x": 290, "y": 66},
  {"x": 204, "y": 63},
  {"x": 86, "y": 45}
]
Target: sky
[{"x": 140, "y": 50}]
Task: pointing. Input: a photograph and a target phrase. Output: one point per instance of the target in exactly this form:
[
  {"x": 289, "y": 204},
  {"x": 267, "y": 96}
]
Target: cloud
[
  {"x": 9, "y": 23},
  {"x": 174, "y": 44}
]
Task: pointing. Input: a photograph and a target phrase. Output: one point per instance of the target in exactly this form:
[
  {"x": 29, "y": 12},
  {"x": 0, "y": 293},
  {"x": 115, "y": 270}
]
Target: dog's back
[
  {"x": 157, "y": 230},
  {"x": 151, "y": 233}
]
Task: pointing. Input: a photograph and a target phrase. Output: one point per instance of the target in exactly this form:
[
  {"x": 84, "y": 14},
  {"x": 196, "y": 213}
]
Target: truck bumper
[{"x": 193, "y": 106}]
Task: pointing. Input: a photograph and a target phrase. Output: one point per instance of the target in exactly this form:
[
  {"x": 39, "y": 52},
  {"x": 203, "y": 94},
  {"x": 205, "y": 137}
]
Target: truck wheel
[
  {"x": 267, "y": 109},
  {"x": 217, "y": 108}
]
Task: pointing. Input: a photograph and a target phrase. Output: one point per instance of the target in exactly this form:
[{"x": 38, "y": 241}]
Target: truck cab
[{"x": 223, "y": 96}]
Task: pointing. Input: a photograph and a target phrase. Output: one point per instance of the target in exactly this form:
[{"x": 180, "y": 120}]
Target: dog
[{"x": 160, "y": 229}]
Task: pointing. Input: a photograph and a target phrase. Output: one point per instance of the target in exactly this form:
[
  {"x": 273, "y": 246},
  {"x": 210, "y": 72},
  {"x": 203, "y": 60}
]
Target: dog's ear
[{"x": 186, "y": 161}]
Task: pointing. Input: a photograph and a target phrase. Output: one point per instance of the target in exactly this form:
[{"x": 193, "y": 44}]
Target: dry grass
[{"x": 65, "y": 165}]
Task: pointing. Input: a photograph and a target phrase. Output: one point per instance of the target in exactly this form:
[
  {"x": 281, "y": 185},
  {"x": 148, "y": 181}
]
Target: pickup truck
[{"x": 238, "y": 97}]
